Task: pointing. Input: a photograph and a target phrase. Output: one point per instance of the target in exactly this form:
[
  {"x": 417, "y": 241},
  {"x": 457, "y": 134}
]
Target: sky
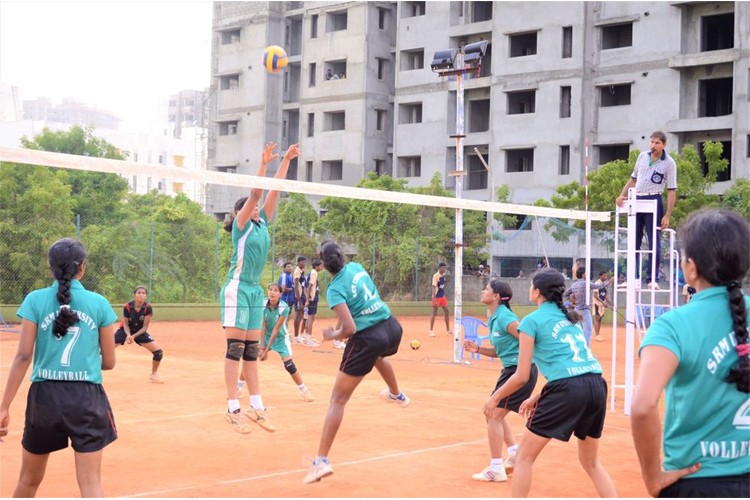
[{"x": 122, "y": 56}]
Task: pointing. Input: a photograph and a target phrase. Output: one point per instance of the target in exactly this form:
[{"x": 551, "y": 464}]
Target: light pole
[
  {"x": 458, "y": 62},
  {"x": 492, "y": 198}
]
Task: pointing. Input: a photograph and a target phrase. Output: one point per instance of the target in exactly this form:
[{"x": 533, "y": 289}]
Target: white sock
[
  {"x": 256, "y": 402},
  {"x": 302, "y": 387},
  {"x": 394, "y": 396},
  {"x": 320, "y": 459},
  {"x": 512, "y": 450},
  {"x": 496, "y": 464},
  {"x": 233, "y": 406}
]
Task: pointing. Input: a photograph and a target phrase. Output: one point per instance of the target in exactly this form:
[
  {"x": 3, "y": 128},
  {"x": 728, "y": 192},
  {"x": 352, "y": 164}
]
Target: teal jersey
[
  {"x": 560, "y": 349},
  {"x": 271, "y": 317},
  {"x": 76, "y": 356},
  {"x": 505, "y": 344},
  {"x": 249, "y": 250},
  {"x": 706, "y": 420},
  {"x": 354, "y": 287}
]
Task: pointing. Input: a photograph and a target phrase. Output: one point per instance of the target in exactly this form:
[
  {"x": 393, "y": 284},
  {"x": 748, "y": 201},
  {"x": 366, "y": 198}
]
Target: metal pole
[
  {"x": 151, "y": 263},
  {"x": 492, "y": 198},
  {"x": 589, "y": 276},
  {"x": 373, "y": 256},
  {"x": 273, "y": 253},
  {"x": 416, "y": 272},
  {"x": 458, "y": 267},
  {"x": 216, "y": 265},
  {"x": 78, "y": 227}
]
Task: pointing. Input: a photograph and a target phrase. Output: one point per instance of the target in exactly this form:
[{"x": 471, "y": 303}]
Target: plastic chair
[{"x": 470, "y": 326}]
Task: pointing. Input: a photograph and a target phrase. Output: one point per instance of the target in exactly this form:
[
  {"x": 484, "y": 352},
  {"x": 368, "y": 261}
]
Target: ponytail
[
  {"x": 551, "y": 285},
  {"x": 740, "y": 373},
  {"x": 65, "y": 256}
]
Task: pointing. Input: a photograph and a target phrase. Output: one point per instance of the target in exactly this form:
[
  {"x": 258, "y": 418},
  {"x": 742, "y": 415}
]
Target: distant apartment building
[
  {"x": 187, "y": 109},
  {"x": 11, "y": 106},
  {"x": 556, "y": 75},
  {"x": 71, "y": 110}
]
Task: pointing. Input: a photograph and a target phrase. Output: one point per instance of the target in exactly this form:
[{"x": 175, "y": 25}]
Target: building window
[
  {"x": 227, "y": 170},
  {"x": 717, "y": 32},
  {"x": 479, "y": 115},
  {"x": 613, "y": 152},
  {"x": 410, "y": 113},
  {"x": 748, "y": 146},
  {"x": 615, "y": 95},
  {"x": 312, "y": 70},
  {"x": 565, "y": 97},
  {"x": 518, "y": 224},
  {"x": 309, "y": 171},
  {"x": 380, "y": 116},
  {"x": 564, "y": 160},
  {"x": 523, "y": 44},
  {"x": 715, "y": 97},
  {"x": 382, "y": 16},
  {"x": 567, "y": 42},
  {"x": 726, "y": 175},
  {"x": 519, "y": 160},
  {"x": 310, "y": 124},
  {"x": 412, "y": 59},
  {"x": 291, "y": 174},
  {"x": 477, "y": 174},
  {"x": 410, "y": 166},
  {"x": 178, "y": 160},
  {"x": 333, "y": 170},
  {"x": 229, "y": 82},
  {"x": 412, "y": 9},
  {"x": 228, "y": 128},
  {"x": 336, "y": 21},
  {"x": 335, "y": 70},
  {"x": 380, "y": 167},
  {"x": 230, "y": 37},
  {"x": 382, "y": 67},
  {"x": 617, "y": 35},
  {"x": 481, "y": 11},
  {"x": 334, "y": 120},
  {"x": 520, "y": 103},
  {"x": 314, "y": 26}
]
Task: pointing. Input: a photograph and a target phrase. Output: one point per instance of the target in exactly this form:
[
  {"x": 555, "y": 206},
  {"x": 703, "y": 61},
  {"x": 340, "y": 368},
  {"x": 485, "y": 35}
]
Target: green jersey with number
[
  {"x": 250, "y": 249},
  {"x": 505, "y": 344},
  {"x": 560, "y": 349},
  {"x": 706, "y": 420},
  {"x": 76, "y": 356},
  {"x": 354, "y": 287}
]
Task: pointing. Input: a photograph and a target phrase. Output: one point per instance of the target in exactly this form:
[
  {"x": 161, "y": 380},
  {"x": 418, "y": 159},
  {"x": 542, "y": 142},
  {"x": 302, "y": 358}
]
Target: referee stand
[{"x": 643, "y": 304}]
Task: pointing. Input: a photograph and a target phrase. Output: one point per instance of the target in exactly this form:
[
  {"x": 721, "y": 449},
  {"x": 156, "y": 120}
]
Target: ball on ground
[
  {"x": 274, "y": 59},
  {"x": 415, "y": 344}
]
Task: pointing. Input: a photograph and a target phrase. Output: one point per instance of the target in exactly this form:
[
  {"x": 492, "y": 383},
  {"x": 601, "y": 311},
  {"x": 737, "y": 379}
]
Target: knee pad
[
  {"x": 235, "y": 349},
  {"x": 158, "y": 355},
  {"x": 251, "y": 350},
  {"x": 290, "y": 366}
]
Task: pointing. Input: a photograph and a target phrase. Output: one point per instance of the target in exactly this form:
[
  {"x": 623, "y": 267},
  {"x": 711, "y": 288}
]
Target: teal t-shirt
[
  {"x": 271, "y": 317},
  {"x": 249, "y": 250},
  {"x": 76, "y": 356},
  {"x": 706, "y": 420},
  {"x": 505, "y": 344},
  {"x": 354, "y": 287},
  {"x": 560, "y": 349}
]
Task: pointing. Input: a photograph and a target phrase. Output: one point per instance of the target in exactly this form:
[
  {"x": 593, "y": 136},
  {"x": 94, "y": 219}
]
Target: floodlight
[
  {"x": 474, "y": 52},
  {"x": 443, "y": 59}
]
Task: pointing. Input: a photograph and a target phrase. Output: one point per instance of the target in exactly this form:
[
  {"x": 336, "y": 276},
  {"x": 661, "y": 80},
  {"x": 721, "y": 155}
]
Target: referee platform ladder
[{"x": 643, "y": 303}]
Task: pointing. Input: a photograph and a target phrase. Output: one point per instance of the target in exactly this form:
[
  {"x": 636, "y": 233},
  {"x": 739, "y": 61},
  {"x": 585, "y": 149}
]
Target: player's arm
[
  {"x": 657, "y": 365},
  {"x": 346, "y": 326},
  {"x": 107, "y": 346},
  {"x": 512, "y": 329},
  {"x": 18, "y": 369},
  {"x": 312, "y": 287},
  {"x": 434, "y": 285},
  {"x": 275, "y": 332},
  {"x": 144, "y": 328},
  {"x": 671, "y": 199},
  {"x": 518, "y": 379},
  {"x": 270, "y": 205},
  {"x": 255, "y": 194}
]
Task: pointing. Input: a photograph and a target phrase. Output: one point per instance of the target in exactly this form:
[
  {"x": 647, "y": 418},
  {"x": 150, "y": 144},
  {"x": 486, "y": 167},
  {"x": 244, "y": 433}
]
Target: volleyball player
[
  {"x": 573, "y": 401},
  {"x": 439, "y": 299},
  {"x": 242, "y": 295},
  {"x": 313, "y": 294},
  {"x": 503, "y": 328},
  {"x": 134, "y": 328},
  {"x": 699, "y": 355},
  {"x": 373, "y": 334},
  {"x": 69, "y": 332}
]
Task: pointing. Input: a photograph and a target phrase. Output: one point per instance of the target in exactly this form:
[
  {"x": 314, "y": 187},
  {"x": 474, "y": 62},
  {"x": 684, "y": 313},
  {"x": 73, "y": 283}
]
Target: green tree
[
  {"x": 292, "y": 228},
  {"x": 737, "y": 198}
]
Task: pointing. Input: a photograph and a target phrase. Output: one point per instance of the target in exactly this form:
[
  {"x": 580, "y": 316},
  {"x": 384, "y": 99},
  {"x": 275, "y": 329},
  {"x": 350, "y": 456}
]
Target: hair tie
[
  {"x": 742, "y": 349},
  {"x": 734, "y": 284},
  {"x": 64, "y": 306},
  {"x": 504, "y": 298}
]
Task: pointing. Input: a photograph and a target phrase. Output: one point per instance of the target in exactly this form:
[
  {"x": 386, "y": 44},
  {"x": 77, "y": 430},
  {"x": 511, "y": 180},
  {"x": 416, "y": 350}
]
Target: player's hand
[
  {"x": 664, "y": 222},
  {"x": 268, "y": 155},
  {"x": 293, "y": 152},
  {"x": 264, "y": 354},
  {"x": 528, "y": 406},
  {"x": 470, "y": 346},
  {"x": 489, "y": 406},
  {"x": 329, "y": 333},
  {"x": 663, "y": 478},
  {"x": 4, "y": 423},
  {"x": 619, "y": 200},
  {"x": 129, "y": 339}
]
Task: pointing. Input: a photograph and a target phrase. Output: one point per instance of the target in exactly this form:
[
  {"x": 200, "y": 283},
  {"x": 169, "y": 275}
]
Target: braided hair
[
  {"x": 332, "y": 256},
  {"x": 504, "y": 290},
  {"x": 717, "y": 241},
  {"x": 551, "y": 284},
  {"x": 237, "y": 207},
  {"x": 65, "y": 257}
]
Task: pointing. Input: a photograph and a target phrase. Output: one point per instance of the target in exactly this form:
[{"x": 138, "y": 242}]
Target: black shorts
[
  {"x": 58, "y": 411},
  {"x": 365, "y": 347},
  {"x": 705, "y": 487},
  {"x": 575, "y": 405},
  {"x": 312, "y": 307},
  {"x": 121, "y": 337},
  {"x": 513, "y": 402},
  {"x": 299, "y": 305},
  {"x": 599, "y": 310}
]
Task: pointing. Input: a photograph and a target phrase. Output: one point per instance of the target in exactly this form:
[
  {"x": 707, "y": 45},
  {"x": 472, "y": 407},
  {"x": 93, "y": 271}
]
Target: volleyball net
[{"x": 184, "y": 260}]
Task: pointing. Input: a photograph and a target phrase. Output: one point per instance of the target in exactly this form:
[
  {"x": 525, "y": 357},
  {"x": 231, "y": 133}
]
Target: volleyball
[
  {"x": 414, "y": 344},
  {"x": 274, "y": 59}
]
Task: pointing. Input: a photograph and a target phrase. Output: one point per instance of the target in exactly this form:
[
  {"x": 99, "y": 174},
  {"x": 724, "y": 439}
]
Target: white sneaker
[
  {"x": 238, "y": 422},
  {"x": 318, "y": 472},
  {"x": 402, "y": 400},
  {"x": 510, "y": 463},
  {"x": 432, "y": 334},
  {"x": 489, "y": 475},
  {"x": 654, "y": 285},
  {"x": 338, "y": 344}
]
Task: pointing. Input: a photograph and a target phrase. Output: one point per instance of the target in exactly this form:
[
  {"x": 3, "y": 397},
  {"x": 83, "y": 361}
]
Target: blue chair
[{"x": 470, "y": 326}]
